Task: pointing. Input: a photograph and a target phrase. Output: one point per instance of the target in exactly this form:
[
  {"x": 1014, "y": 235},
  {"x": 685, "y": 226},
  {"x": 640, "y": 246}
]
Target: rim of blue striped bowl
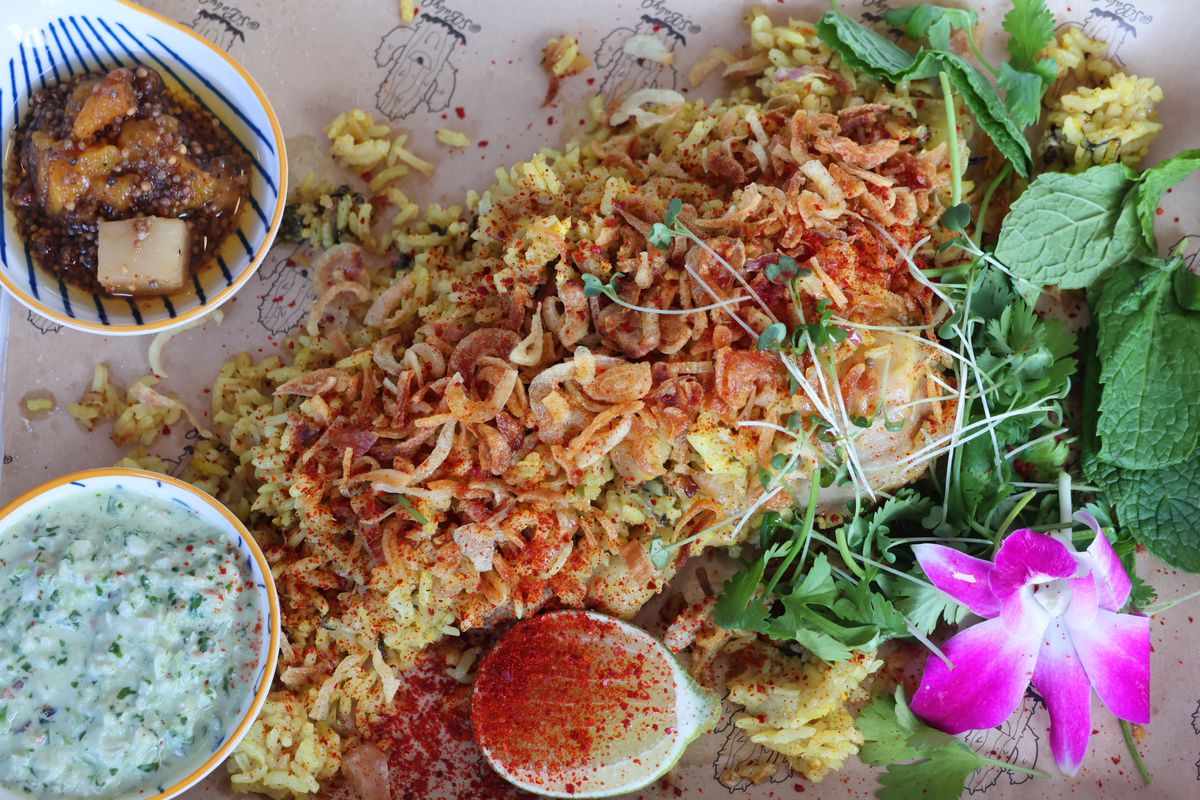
[
  {"x": 216, "y": 514},
  {"x": 52, "y": 40}
]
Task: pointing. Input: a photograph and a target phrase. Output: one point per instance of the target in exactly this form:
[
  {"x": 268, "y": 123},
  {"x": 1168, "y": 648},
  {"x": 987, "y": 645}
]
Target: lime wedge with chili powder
[{"x": 577, "y": 704}]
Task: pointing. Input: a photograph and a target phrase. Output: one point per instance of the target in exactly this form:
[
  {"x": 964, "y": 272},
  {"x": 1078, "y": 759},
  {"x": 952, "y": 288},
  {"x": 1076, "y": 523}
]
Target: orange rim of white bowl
[
  {"x": 273, "y": 613},
  {"x": 221, "y": 296}
]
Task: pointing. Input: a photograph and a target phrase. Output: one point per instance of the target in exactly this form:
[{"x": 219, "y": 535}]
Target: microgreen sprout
[
  {"x": 663, "y": 233},
  {"x": 772, "y": 337},
  {"x": 785, "y": 270},
  {"x": 957, "y": 217},
  {"x": 825, "y": 400},
  {"x": 594, "y": 287}
]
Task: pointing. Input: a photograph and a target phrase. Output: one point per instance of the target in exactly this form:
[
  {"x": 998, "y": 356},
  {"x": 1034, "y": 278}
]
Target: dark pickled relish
[{"x": 114, "y": 146}]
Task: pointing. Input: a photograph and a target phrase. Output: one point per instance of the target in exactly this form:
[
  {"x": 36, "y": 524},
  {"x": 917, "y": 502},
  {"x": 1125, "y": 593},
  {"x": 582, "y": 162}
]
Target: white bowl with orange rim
[
  {"x": 45, "y": 42},
  {"x": 139, "y": 640}
]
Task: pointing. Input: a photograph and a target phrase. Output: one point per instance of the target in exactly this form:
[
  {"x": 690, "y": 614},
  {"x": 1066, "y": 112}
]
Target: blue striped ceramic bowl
[
  {"x": 136, "y": 481},
  {"x": 44, "y": 41}
]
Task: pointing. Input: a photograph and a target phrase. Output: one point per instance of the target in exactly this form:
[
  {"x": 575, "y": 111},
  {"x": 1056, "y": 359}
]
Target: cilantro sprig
[
  {"x": 845, "y": 599},
  {"x": 920, "y": 761}
]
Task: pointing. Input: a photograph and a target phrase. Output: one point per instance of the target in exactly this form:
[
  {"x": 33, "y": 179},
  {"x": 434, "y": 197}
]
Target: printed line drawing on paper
[
  {"x": 1112, "y": 22},
  {"x": 222, "y": 24},
  {"x": 1014, "y": 741},
  {"x": 43, "y": 325},
  {"x": 741, "y": 764},
  {"x": 623, "y": 72},
  {"x": 418, "y": 60},
  {"x": 287, "y": 292}
]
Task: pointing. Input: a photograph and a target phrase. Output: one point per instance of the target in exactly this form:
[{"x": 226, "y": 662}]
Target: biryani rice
[
  {"x": 359, "y": 611},
  {"x": 1096, "y": 114}
]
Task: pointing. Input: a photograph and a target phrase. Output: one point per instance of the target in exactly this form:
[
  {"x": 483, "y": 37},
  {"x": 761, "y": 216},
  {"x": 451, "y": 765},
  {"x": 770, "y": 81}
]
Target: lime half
[{"x": 577, "y": 704}]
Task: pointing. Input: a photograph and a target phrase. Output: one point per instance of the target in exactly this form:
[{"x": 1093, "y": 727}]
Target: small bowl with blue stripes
[
  {"x": 260, "y": 651},
  {"x": 57, "y": 40}
]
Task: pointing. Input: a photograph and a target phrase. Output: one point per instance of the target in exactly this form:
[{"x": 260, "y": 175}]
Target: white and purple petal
[
  {"x": 1026, "y": 557},
  {"x": 1022, "y": 615},
  {"x": 991, "y": 671},
  {"x": 962, "y": 577},
  {"x": 1063, "y": 684},
  {"x": 1085, "y": 594},
  {"x": 1115, "y": 652},
  {"x": 1111, "y": 578}
]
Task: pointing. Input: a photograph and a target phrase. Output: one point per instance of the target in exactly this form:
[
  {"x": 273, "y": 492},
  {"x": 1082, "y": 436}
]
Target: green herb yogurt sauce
[{"x": 128, "y": 628}]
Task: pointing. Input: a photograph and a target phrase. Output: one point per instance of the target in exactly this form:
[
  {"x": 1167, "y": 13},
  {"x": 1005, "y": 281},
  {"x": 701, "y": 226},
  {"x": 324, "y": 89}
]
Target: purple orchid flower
[{"x": 1051, "y": 616}]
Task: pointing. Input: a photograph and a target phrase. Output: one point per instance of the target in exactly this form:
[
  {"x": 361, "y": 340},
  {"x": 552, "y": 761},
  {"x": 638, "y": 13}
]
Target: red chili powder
[
  {"x": 432, "y": 754},
  {"x": 565, "y": 693}
]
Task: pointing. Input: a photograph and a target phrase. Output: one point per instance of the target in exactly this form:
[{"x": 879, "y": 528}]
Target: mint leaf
[
  {"x": 1068, "y": 230},
  {"x": 862, "y": 48},
  {"x": 1148, "y": 349},
  {"x": 933, "y": 22},
  {"x": 1187, "y": 289},
  {"x": 1155, "y": 181},
  {"x": 1024, "y": 94},
  {"x": 1158, "y": 507},
  {"x": 983, "y": 103},
  {"x": 1030, "y": 26}
]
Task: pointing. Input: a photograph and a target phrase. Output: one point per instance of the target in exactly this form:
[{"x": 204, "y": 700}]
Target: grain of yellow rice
[{"x": 452, "y": 138}]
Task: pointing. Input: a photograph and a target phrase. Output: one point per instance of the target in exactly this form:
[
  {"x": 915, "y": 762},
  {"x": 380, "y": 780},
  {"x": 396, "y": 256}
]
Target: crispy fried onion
[
  {"x": 339, "y": 264},
  {"x": 641, "y": 456},
  {"x": 651, "y": 48},
  {"x": 312, "y": 384},
  {"x": 477, "y": 542},
  {"x": 553, "y": 416},
  {"x": 379, "y": 315},
  {"x": 603, "y": 434},
  {"x": 740, "y": 372},
  {"x": 467, "y": 410},
  {"x": 495, "y": 342},
  {"x": 528, "y": 351},
  {"x": 568, "y": 315},
  {"x": 361, "y": 294},
  {"x": 632, "y": 107},
  {"x": 398, "y": 481},
  {"x": 149, "y": 396},
  {"x": 620, "y": 383}
]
